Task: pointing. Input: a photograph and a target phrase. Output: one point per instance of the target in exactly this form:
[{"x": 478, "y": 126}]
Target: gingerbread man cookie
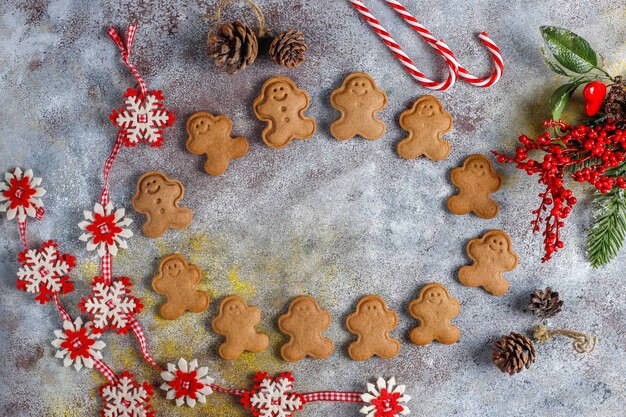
[
  {"x": 434, "y": 308},
  {"x": 282, "y": 104},
  {"x": 492, "y": 254},
  {"x": 304, "y": 323},
  {"x": 236, "y": 320},
  {"x": 372, "y": 322},
  {"x": 177, "y": 280},
  {"x": 211, "y": 135},
  {"x": 476, "y": 180},
  {"x": 157, "y": 197},
  {"x": 426, "y": 121},
  {"x": 358, "y": 99}
]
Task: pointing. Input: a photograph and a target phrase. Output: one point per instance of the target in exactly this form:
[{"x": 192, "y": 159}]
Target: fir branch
[{"x": 608, "y": 230}]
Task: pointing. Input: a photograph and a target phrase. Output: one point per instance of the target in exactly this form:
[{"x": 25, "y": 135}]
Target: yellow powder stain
[
  {"x": 89, "y": 269},
  {"x": 239, "y": 286}
]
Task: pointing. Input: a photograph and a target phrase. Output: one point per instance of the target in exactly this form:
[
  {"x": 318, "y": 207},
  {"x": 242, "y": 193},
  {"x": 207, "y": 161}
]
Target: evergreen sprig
[{"x": 608, "y": 230}]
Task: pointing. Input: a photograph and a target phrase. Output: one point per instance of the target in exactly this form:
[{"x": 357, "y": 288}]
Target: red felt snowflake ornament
[
  {"x": 273, "y": 396},
  {"x": 127, "y": 398},
  {"x": 142, "y": 119},
  {"x": 45, "y": 272},
  {"x": 111, "y": 306}
]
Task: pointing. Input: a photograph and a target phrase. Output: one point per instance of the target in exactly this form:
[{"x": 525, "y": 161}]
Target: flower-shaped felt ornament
[
  {"x": 105, "y": 229},
  {"x": 273, "y": 396},
  {"x": 19, "y": 195},
  {"x": 186, "y": 383},
  {"x": 111, "y": 306},
  {"x": 45, "y": 271},
  {"x": 77, "y": 345},
  {"x": 126, "y": 398},
  {"x": 142, "y": 119},
  {"x": 385, "y": 399}
]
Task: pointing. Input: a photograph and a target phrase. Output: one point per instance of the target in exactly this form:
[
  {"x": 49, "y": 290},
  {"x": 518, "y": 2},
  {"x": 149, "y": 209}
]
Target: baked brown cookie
[
  {"x": 282, "y": 104},
  {"x": 177, "y": 280},
  {"x": 157, "y": 197},
  {"x": 476, "y": 180},
  {"x": 434, "y": 308},
  {"x": 358, "y": 100},
  {"x": 426, "y": 121},
  {"x": 304, "y": 323},
  {"x": 492, "y": 254},
  {"x": 211, "y": 135},
  {"x": 372, "y": 322},
  {"x": 236, "y": 321}
]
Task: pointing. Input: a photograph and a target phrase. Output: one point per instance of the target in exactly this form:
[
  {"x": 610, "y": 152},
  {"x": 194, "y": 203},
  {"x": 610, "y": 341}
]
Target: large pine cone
[
  {"x": 615, "y": 103},
  {"x": 287, "y": 49},
  {"x": 512, "y": 353},
  {"x": 233, "y": 47},
  {"x": 545, "y": 304}
]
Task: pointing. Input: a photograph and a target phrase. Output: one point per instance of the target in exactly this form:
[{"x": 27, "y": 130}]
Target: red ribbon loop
[{"x": 125, "y": 50}]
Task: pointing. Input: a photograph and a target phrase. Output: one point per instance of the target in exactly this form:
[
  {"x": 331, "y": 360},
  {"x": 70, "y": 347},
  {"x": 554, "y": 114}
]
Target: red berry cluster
[{"x": 588, "y": 152}]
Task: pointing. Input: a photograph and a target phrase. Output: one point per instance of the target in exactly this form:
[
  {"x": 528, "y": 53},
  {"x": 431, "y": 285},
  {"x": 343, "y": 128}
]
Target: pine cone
[
  {"x": 512, "y": 353},
  {"x": 545, "y": 304},
  {"x": 615, "y": 103},
  {"x": 287, "y": 49},
  {"x": 233, "y": 47}
]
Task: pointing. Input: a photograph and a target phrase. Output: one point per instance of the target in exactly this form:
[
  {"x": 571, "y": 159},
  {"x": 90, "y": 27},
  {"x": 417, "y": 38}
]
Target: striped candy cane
[
  {"x": 464, "y": 74},
  {"x": 408, "y": 64}
]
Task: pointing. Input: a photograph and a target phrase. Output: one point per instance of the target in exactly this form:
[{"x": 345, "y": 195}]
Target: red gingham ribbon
[
  {"x": 108, "y": 164},
  {"x": 104, "y": 369},
  {"x": 408, "y": 64},
  {"x": 125, "y": 48},
  {"x": 237, "y": 392},
  {"x": 107, "y": 268},
  {"x": 135, "y": 326},
  {"x": 39, "y": 212},
  {"x": 64, "y": 314},
  {"x": 21, "y": 225},
  {"x": 344, "y": 397}
]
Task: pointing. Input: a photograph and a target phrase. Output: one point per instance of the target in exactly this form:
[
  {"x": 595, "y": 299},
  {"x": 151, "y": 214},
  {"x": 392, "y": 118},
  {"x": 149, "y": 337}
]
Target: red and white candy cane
[
  {"x": 464, "y": 74},
  {"x": 409, "y": 65}
]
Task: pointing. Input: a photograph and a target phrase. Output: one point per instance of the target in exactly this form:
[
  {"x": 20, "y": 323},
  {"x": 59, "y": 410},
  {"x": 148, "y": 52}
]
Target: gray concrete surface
[{"x": 333, "y": 220}]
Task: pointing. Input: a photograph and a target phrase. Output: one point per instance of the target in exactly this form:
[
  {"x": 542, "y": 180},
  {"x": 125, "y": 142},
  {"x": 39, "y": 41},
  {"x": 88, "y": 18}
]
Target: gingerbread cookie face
[
  {"x": 236, "y": 321},
  {"x": 211, "y": 135},
  {"x": 304, "y": 323},
  {"x": 426, "y": 121},
  {"x": 434, "y": 308},
  {"x": 282, "y": 104},
  {"x": 372, "y": 322},
  {"x": 492, "y": 254},
  {"x": 476, "y": 180},
  {"x": 157, "y": 197},
  {"x": 358, "y": 99},
  {"x": 177, "y": 280}
]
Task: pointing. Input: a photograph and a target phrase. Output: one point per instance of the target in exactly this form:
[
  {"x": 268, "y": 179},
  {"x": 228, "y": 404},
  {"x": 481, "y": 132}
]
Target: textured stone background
[{"x": 334, "y": 220}]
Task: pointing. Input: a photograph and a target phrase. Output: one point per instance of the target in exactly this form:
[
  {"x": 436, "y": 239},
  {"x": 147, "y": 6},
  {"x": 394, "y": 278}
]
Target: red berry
[{"x": 594, "y": 94}]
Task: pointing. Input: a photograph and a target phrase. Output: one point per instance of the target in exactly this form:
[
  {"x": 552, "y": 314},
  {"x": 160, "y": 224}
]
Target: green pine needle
[{"x": 608, "y": 230}]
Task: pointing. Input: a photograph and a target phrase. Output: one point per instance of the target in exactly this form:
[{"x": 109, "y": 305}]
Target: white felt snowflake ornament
[
  {"x": 19, "y": 195},
  {"x": 105, "y": 229},
  {"x": 111, "y": 306},
  {"x": 273, "y": 396},
  {"x": 186, "y": 383},
  {"x": 126, "y": 398},
  {"x": 142, "y": 118},
  {"x": 386, "y": 399},
  {"x": 77, "y": 345}
]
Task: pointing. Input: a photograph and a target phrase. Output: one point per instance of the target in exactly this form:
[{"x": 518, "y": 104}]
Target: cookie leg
[
  {"x": 449, "y": 335},
  {"x": 359, "y": 352},
  {"x": 341, "y": 130},
  {"x": 199, "y": 302},
  {"x": 438, "y": 150},
  {"x": 487, "y": 210},
  {"x": 467, "y": 276},
  {"x": 182, "y": 218},
  {"x": 408, "y": 148},
  {"x": 216, "y": 164},
  {"x": 421, "y": 336},
  {"x": 258, "y": 343},
  {"x": 322, "y": 349},
  {"x": 496, "y": 286},
  {"x": 230, "y": 351},
  {"x": 458, "y": 205},
  {"x": 239, "y": 147},
  {"x": 152, "y": 229},
  {"x": 169, "y": 311},
  {"x": 306, "y": 129},
  {"x": 389, "y": 349},
  {"x": 372, "y": 130},
  {"x": 291, "y": 353},
  {"x": 278, "y": 136}
]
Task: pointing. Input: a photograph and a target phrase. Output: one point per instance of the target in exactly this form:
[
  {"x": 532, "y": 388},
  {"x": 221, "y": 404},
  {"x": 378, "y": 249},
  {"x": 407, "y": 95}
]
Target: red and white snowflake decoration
[
  {"x": 105, "y": 229},
  {"x": 126, "y": 398},
  {"x": 111, "y": 306},
  {"x": 386, "y": 399},
  {"x": 19, "y": 195},
  {"x": 142, "y": 118},
  {"x": 44, "y": 272},
  {"x": 77, "y": 345},
  {"x": 273, "y": 396},
  {"x": 186, "y": 383}
]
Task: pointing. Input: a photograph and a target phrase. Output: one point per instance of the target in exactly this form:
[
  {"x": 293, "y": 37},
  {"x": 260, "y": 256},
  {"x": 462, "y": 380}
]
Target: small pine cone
[
  {"x": 615, "y": 103},
  {"x": 233, "y": 47},
  {"x": 512, "y": 353},
  {"x": 287, "y": 49},
  {"x": 545, "y": 304}
]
